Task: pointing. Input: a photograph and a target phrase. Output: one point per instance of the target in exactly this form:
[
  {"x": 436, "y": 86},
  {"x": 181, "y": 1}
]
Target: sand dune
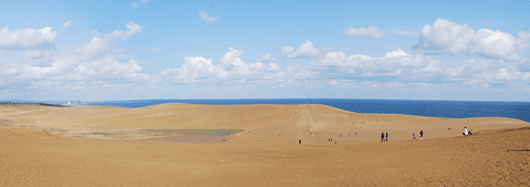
[
  {"x": 39, "y": 147},
  {"x": 313, "y": 124}
]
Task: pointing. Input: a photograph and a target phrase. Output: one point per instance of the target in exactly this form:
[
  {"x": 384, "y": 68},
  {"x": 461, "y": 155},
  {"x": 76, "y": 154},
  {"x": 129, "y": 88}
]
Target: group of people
[
  {"x": 414, "y": 135},
  {"x": 383, "y": 137}
]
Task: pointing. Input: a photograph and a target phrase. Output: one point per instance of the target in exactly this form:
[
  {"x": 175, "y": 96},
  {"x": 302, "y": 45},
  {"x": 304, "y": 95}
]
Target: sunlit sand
[{"x": 205, "y": 145}]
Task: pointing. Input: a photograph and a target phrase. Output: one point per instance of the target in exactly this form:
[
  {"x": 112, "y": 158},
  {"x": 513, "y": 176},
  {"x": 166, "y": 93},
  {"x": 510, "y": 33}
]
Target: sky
[{"x": 154, "y": 49}]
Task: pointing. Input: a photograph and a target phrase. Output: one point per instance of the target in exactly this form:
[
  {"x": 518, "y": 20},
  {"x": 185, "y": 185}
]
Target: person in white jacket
[{"x": 465, "y": 132}]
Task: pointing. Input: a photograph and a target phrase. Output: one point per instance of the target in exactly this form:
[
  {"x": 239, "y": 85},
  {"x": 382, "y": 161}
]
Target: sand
[{"x": 41, "y": 146}]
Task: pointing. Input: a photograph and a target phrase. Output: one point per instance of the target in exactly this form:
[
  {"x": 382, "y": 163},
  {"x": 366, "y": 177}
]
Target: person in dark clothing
[
  {"x": 421, "y": 135},
  {"x": 386, "y": 139},
  {"x": 382, "y": 136}
]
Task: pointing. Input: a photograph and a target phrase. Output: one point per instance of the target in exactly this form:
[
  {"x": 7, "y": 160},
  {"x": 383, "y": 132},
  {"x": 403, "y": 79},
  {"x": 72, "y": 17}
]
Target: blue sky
[{"x": 123, "y": 50}]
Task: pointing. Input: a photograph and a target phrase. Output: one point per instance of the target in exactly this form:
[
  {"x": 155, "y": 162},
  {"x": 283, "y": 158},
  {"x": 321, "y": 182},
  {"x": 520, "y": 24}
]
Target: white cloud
[
  {"x": 40, "y": 58},
  {"x": 207, "y": 18},
  {"x": 305, "y": 50},
  {"x": 446, "y": 37},
  {"x": 399, "y": 67},
  {"x": 132, "y": 29},
  {"x": 392, "y": 64},
  {"x": 267, "y": 58},
  {"x": 156, "y": 49},
  {"x": 91, "y": 64},
  {"x": 27, "y": 39},
  {"x": 134, "y": 6},
  {"x": 505, "y": 75},
  {"x": 199, "y": 69},
  {"x": 306, "y": 74},
  {"x": 370, "y": 32},
  {"x": 496, "y": 44},
  {"x": 231, "y": 58},
  {"x": 67, "y": 24}
]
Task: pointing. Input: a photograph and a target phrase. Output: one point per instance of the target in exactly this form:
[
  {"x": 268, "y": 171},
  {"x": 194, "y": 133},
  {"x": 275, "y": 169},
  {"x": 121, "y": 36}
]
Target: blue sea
[{"x": 431, "y": 108}]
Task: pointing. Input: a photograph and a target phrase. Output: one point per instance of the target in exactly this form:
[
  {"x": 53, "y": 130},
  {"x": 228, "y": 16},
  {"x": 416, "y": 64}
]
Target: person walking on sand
[
  {"x": 421, "y": 135},
  {"x": 386, "y": 138},
  {"x": 465, "y": 132},
  {"x": 413, "y": 136},
  {"x": 382, "y": 136}
]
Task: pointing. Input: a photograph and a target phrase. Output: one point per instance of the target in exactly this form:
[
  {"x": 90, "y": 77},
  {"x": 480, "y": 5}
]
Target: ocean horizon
[{"x": 427, "y": 108}]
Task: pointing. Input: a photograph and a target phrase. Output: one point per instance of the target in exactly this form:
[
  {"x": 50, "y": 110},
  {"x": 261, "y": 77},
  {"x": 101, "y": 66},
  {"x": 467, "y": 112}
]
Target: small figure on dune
[
  {"x": 465, "y": 132},
  {"x": 382, "y": 136},
  {"x": 335, "y": 141},
  {"x": 355, "y": 133},
  {"x": 413, "y": 136},
  {"x": 340, "y": 135},
  {"x": 259, "y": 140},
  {"x": 279, "y": 135},
  {"x": 471, "y": 132},
  {"x": 386, "y": 138},
  {"x": 421, "y": 135}
]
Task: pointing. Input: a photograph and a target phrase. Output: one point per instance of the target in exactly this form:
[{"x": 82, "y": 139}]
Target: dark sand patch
[
  {"x": 187, "y": 138},
  {"x": 163, "y": 135},
  {"x": 206, "y": 132}
]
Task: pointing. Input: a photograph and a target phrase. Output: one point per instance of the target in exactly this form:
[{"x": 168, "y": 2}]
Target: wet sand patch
[
  {"x": 187, "y": 138},
  {"x": 163, "y": 135}
]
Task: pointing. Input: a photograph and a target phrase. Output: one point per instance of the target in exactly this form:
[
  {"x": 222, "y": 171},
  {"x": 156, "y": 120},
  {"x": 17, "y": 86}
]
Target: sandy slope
[
  {"x": 37, "y": 159},
  {"x": 32, "y": 157},
  {"x": 292, "y": 121}
]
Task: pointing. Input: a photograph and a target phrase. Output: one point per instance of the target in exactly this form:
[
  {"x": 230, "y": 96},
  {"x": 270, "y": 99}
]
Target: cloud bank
[
  {"x": 446, "y": 37},
  {"x": 27, "y": 39}
]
